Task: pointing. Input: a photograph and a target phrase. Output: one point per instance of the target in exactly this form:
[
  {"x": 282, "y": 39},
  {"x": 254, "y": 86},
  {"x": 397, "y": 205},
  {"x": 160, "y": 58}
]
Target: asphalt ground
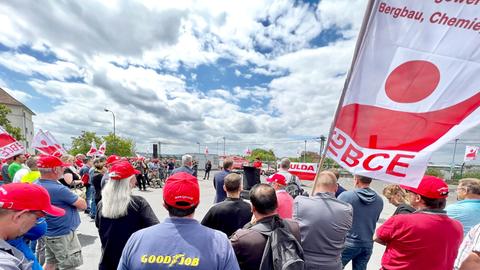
[{"x": 90, "y": 240}]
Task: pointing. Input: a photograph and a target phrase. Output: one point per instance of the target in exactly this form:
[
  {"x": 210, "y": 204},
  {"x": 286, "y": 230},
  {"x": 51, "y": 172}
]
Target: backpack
[{"x": 282, "y": 250}]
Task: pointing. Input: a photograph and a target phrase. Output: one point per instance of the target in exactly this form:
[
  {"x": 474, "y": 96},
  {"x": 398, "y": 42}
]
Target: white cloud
[
  {"x": 129, "y": 54},
  {"x": 29, "y": 65}
]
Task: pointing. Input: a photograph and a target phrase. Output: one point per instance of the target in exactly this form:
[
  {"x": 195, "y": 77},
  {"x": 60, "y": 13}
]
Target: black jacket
[
  {"x": 249, "y": 244},
  {"x": 228, "y": 216}
]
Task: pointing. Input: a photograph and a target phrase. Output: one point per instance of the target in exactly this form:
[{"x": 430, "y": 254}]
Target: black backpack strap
[{"x": 266, "y": 230}]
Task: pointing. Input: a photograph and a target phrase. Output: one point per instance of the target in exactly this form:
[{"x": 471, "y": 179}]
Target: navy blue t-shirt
[{"x": 62, "y": 197}]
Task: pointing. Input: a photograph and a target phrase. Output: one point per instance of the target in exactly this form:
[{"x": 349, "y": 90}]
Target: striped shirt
[{"x": 471, "y": 243}]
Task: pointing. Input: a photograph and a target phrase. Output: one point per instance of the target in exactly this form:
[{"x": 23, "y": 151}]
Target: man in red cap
[
  {"x": 285, "y": 200},
  {"x": 426, "y": 239},
  {"x": 63, "y": 250},
  {"x": 180, "y": 242},
  {"x": 18, "y": 213}
]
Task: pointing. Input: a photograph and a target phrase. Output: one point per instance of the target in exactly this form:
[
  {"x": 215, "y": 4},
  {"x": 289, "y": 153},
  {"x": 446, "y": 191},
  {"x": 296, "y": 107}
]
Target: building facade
[{"x": 21, "y": 117}]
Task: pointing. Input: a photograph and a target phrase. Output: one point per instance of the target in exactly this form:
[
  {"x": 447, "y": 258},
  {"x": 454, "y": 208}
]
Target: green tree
[
  {"x": 115, "y": 144},
  {"x": 16, "y": 132},
  {"x": 119, "y": 146},
  {"x": 264, "y": 155},
  {"x": 82, "y": 143}
]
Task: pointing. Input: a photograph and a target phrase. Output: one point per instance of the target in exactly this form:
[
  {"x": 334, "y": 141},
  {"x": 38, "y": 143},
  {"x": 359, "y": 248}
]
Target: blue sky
[{"x": 261, "y": 73}]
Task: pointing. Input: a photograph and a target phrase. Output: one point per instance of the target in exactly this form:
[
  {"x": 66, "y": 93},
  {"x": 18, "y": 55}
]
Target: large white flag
[
  {"x": 471, "y": 153},
  {"x": 46, "y": 145},
  {"x": 102, "y": 149},
  {"x": 93, "y": 149},
  {"x": 55, "y": 142},
  {"x": 413, "y": 87}
]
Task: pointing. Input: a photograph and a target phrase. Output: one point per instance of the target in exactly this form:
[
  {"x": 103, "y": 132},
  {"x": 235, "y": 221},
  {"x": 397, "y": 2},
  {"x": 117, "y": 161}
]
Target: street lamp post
[
  {"x": 114, "y": 135},
  {"x": 198, "y": 148},
  {"x": 223, "y": 146}
]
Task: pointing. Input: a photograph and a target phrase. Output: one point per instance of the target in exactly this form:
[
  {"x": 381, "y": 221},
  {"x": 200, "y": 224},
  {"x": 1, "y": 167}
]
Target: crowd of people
[{"x": 275, "y": 227}]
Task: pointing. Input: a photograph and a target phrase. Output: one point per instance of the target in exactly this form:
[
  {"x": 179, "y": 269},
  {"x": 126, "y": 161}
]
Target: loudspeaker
[
  {"x": 251, "y": 177},
  {"x": 155, "y": 150}
]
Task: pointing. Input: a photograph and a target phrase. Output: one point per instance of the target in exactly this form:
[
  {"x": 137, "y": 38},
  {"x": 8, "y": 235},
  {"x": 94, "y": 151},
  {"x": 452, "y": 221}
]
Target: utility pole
[
  {"x": 305, "y": 152},
  {"x": 453, "y": 159},
  {"x": 322, "y": 144},
  {"x": 159, "y": 149},
  {"x": 223, "y": 146}
]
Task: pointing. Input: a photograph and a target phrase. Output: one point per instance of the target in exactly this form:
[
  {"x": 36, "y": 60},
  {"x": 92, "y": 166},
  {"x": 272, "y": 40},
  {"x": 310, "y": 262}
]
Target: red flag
[
  {"x": 43, "y": 143},
  {"x": 55, "y": 142},
  {"x": 471, "y": 153},
  {"x": 9, "y": 147},
  {"x": 102, "y": 149},
  {"x": 93, "y": 150}
]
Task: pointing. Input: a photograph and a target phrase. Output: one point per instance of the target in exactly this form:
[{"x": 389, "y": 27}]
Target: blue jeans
[
  {"x": 93, "y": 205},
  {"x": 88, "y": 196},
  {"x": 358, "y": 255}
]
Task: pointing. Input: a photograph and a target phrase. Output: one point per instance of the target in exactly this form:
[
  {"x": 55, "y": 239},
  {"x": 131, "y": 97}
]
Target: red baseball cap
[
  {"x": 112, "y": 159},
  {"x": 79, "y": 163},
  {"x": 121, "y": 170},
  {"x": 277, "y": 178},
  {"x": 181, "y": 191},
  {"x": 46, "y": 161},
  {"x": 431, "y": 187},
  {"x": 23, "y": 196}
]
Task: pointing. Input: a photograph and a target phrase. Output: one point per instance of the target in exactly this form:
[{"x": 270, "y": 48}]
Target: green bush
[{"x": 434, "y": 172}]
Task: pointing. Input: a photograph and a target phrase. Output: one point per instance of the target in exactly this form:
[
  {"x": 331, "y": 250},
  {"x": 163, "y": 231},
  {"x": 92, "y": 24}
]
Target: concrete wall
[{"x": 22, "y": 118}]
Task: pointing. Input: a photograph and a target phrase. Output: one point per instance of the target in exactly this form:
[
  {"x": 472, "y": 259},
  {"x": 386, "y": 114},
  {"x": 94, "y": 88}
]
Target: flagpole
[{"x": 361, "y": 37}]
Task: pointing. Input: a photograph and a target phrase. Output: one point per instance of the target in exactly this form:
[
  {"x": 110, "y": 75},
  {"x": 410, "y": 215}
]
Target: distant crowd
[{"x": 274, "y": 225}]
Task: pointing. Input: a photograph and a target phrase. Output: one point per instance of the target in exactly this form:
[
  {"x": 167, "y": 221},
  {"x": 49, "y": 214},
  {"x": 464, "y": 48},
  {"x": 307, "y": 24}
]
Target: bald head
[
  {"x": 263, "y": 199},
  {"x": 326, "y": 182}
]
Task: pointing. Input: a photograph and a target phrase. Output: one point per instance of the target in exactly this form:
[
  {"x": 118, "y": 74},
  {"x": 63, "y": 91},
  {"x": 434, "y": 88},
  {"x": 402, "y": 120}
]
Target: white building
[{"x": 21, "y": 117}]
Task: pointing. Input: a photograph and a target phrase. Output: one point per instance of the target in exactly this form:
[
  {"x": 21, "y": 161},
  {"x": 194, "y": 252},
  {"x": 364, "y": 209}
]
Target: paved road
[{"x": 91, "y": 243}]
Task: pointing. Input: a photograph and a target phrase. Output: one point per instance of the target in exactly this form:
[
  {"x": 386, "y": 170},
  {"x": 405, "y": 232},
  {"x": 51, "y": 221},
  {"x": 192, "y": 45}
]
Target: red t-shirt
[
  {"x": 285, "y": 204},
  {"x": 423, "y": 240},
  {"x": 257, "y": 164}
]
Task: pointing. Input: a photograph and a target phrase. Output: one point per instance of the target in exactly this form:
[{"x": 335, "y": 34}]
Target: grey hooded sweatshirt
[{"x": 367, "y": 206}]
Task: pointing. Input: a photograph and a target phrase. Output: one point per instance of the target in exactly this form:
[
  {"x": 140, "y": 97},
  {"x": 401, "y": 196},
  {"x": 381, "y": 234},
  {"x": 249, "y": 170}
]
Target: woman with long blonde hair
[
  {"x": 120, "y": 213},
  {"x": 397, "y": 196}
]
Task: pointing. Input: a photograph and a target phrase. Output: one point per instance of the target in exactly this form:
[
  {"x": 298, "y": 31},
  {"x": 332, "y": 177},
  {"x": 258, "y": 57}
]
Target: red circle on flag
[{"x": 412, "y": 81}]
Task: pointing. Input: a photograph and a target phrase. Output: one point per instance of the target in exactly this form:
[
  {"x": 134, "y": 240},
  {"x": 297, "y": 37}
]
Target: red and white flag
[
  {"x": 93, "y": 150},
  {"x": 55, "y": 142},
  {"x": 9, "y": 147},
  {"x": 206, "y": 150},
  {"x": 408, "y": 94},
  {"x": 471, "y": 153},
  {"x": 44, "y": 144},
  {"x": 102, "y": 149}
]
